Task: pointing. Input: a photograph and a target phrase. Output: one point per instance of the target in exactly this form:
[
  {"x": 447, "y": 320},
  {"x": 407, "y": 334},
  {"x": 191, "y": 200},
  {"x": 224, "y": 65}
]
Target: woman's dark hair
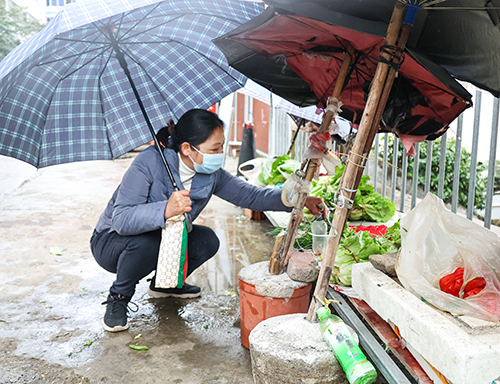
[{"x": 195, "y": 127}]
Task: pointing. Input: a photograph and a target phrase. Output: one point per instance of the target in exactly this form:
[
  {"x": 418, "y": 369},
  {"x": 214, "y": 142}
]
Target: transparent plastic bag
[
  {"x": 253, "y": 168},
  {"x": 435, "y": 242}
]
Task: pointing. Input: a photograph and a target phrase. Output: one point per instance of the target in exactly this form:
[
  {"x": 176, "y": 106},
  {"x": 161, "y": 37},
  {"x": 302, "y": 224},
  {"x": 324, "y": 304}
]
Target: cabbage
[{"x": 278, "y": 171}]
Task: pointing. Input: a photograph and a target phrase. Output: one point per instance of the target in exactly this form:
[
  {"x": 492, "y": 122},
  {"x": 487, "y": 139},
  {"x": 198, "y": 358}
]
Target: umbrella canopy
[
  {"x": 463, "y": 36},
  {"x": 65, "y": 97},
  {"x": 297, "y": 51}
]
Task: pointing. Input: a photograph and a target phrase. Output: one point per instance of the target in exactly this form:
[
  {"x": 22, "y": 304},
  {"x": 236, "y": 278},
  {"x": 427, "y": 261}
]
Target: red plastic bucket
[{"x": 254, "y": 307}]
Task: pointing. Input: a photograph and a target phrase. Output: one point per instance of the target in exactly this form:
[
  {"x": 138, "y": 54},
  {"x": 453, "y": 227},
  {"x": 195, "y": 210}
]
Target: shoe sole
[
  {"x": 161, "y": 295},
  {"x": 116, "y": 328}
]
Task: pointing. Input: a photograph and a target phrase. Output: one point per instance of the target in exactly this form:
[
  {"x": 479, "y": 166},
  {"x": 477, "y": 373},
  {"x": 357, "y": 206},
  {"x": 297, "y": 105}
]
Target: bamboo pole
[
  {"x": 357, "y": 157},
  {"x": 403, "y": 38},
  {"x": 280, "y": 258}
]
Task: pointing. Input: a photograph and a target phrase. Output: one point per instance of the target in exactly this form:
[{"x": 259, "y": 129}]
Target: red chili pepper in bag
[
  {"x": 474, "y": 286},
  {"x": 452, "y": 282}
]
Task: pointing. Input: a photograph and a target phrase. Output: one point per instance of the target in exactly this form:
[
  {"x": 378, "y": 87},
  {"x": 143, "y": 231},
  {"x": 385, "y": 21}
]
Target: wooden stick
[
  {"x": 276, "y": 248},
  {"x": 350, "y": 181},
  {"x": 283, "y": 255}
]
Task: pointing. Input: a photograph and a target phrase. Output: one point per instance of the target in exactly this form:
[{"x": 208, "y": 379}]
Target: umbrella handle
[
  {"x": 188, "y": 221},
  {"x": 123, "y": 63}
]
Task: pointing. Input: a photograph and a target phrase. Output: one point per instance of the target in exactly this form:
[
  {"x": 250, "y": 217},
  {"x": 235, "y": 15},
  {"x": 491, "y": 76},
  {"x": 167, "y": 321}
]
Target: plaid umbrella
[{"x": 66, "y": 94}]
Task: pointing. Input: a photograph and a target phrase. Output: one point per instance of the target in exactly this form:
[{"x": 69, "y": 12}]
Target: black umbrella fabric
[
  {"x": 462, "y": 36},
  {"x": 297, "y": 52}
]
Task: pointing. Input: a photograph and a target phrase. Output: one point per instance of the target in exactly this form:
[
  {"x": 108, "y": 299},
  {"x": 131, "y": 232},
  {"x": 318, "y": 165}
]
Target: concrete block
[
  {"x": 289, "y": 349},
  {"x": 269, "y": 285},
  {"x": 385, "y": 263},
  {"x": 302, "y": 266},
  {"x": 263, "y": 295},
  {"x": 464, "y": 351}
]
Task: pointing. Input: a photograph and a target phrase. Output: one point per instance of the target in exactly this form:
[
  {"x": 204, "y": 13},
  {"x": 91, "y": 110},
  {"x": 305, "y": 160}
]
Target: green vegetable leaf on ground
[{"x": 138, "y": 347}]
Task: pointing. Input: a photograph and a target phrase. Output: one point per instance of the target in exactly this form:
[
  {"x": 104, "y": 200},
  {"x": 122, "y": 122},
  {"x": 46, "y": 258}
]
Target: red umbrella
[{"x": 308, "y": 54}]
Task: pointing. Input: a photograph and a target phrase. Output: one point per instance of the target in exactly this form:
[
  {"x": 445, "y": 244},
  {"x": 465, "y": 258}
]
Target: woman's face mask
[{"x": 211, "y": 162}]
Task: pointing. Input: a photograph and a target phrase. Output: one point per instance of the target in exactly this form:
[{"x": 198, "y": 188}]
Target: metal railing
[
  {"x": 476, "y": 130},
  {"x": 396, "y": 178}
]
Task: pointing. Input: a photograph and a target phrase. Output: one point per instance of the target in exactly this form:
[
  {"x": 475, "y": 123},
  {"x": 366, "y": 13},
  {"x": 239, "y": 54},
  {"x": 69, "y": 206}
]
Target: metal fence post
[
  {"x": 404, "y": 173},
  {"x": 491, "y": 163},
  {"x": 416, "y": 160},
  {"x": 473, "y": 160},
  {"x": 456, "y": 167},
  {"x": 428, "y": 168},
  {"x": 442, "y": 166},
  {"x": 394, "y": 176},
  {"x": 375, "y": 168},
  {"x": 384, "y": 164}
]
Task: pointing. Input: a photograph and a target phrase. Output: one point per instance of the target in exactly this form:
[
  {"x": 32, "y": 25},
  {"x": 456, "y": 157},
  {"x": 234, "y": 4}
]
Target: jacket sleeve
[
  {"x": 245, "y": 195},
  {"x": 132, "y": 213}
]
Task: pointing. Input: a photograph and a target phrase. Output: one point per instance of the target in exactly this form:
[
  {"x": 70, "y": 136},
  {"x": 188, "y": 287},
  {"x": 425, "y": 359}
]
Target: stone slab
[
  {"x": 385, "y": 263},
  {"x": 302, "y": 266},
  {"x": 289, "y": 349},
  {"x": 464, "y": 351}
]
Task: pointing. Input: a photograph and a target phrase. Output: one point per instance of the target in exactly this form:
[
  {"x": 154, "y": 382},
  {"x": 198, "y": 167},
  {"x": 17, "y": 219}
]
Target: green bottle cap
[{"x": 323, "y": 311}]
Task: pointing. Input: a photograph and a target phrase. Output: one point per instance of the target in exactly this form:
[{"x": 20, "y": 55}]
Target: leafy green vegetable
[
  {"x": 278, "y": 171},
  {"x": 357, "y": 248},
  {"x": 368, "y": 205},
  {"x": 303, "y": 240},
  {"x": 353, "y": 248}
]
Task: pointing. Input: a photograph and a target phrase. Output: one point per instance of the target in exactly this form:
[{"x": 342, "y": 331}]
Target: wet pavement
[{"x": 50, "y": 305}]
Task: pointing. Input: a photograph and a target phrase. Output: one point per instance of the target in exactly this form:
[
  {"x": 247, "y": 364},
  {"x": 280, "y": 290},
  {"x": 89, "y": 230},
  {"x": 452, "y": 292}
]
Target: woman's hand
[
  {"x": 313, "y": 204},
  {"x": 179, "y": 203}
]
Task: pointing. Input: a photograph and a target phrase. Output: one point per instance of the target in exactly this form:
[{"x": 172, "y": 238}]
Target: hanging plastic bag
[
  {"x": 294, "y": 186},
  {"x": 252, "y": 170},
  {"x": 434, "y": 243},
  {"x": 319, "y": 150}
]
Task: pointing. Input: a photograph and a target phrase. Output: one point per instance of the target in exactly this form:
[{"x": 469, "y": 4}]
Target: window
[
  {"x": 61, "y": 3},
  {"x": 54, "y": 3}
]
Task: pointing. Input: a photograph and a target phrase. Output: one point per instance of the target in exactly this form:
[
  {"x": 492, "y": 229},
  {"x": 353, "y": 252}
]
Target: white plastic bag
[
  {"x": 434, "y": 242},
  {"x": 254, "y": 169}
]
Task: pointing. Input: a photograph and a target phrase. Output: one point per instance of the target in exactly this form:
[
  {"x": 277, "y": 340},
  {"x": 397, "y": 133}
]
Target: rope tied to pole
[{"x": 396, "y": 59}]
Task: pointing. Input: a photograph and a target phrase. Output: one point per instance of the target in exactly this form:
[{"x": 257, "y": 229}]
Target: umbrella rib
[
  {"x": 102, "y": 103},
  {"x": 69, "y": 57},
  {"x": 196, "y": 51},
  {"x": 428, "y": 3},
  {"x": 66, "y": 75},
  {"x": 131, "y": 55},
  {"x": 79, "y": 41},
  {"x": 122, "y": 16},
  {"x": 90, "y": 43},
  {"x": 461, "y": 8},
  {"x": 138, "y": 22},
  {"x": 176, "y": 18}
]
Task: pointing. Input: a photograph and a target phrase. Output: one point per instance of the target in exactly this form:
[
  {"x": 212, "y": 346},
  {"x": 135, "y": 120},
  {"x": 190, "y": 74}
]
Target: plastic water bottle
[
  {"x": 337, "y": 335},
  {"x": 318, "y": 229}
]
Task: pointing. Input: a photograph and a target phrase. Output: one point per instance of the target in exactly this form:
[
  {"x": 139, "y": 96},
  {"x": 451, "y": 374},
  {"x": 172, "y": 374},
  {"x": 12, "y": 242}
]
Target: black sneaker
[
  {"x": 115, "y": 319},
  {"x": 186, "y": 292}
]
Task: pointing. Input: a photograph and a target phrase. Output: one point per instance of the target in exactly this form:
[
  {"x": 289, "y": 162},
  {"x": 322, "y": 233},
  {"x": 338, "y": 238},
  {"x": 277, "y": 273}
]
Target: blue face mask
[{"x": 211, "y": 162}]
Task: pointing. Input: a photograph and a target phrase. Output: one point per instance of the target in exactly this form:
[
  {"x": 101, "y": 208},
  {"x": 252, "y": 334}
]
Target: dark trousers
[{"x": 134, "y": 257}]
